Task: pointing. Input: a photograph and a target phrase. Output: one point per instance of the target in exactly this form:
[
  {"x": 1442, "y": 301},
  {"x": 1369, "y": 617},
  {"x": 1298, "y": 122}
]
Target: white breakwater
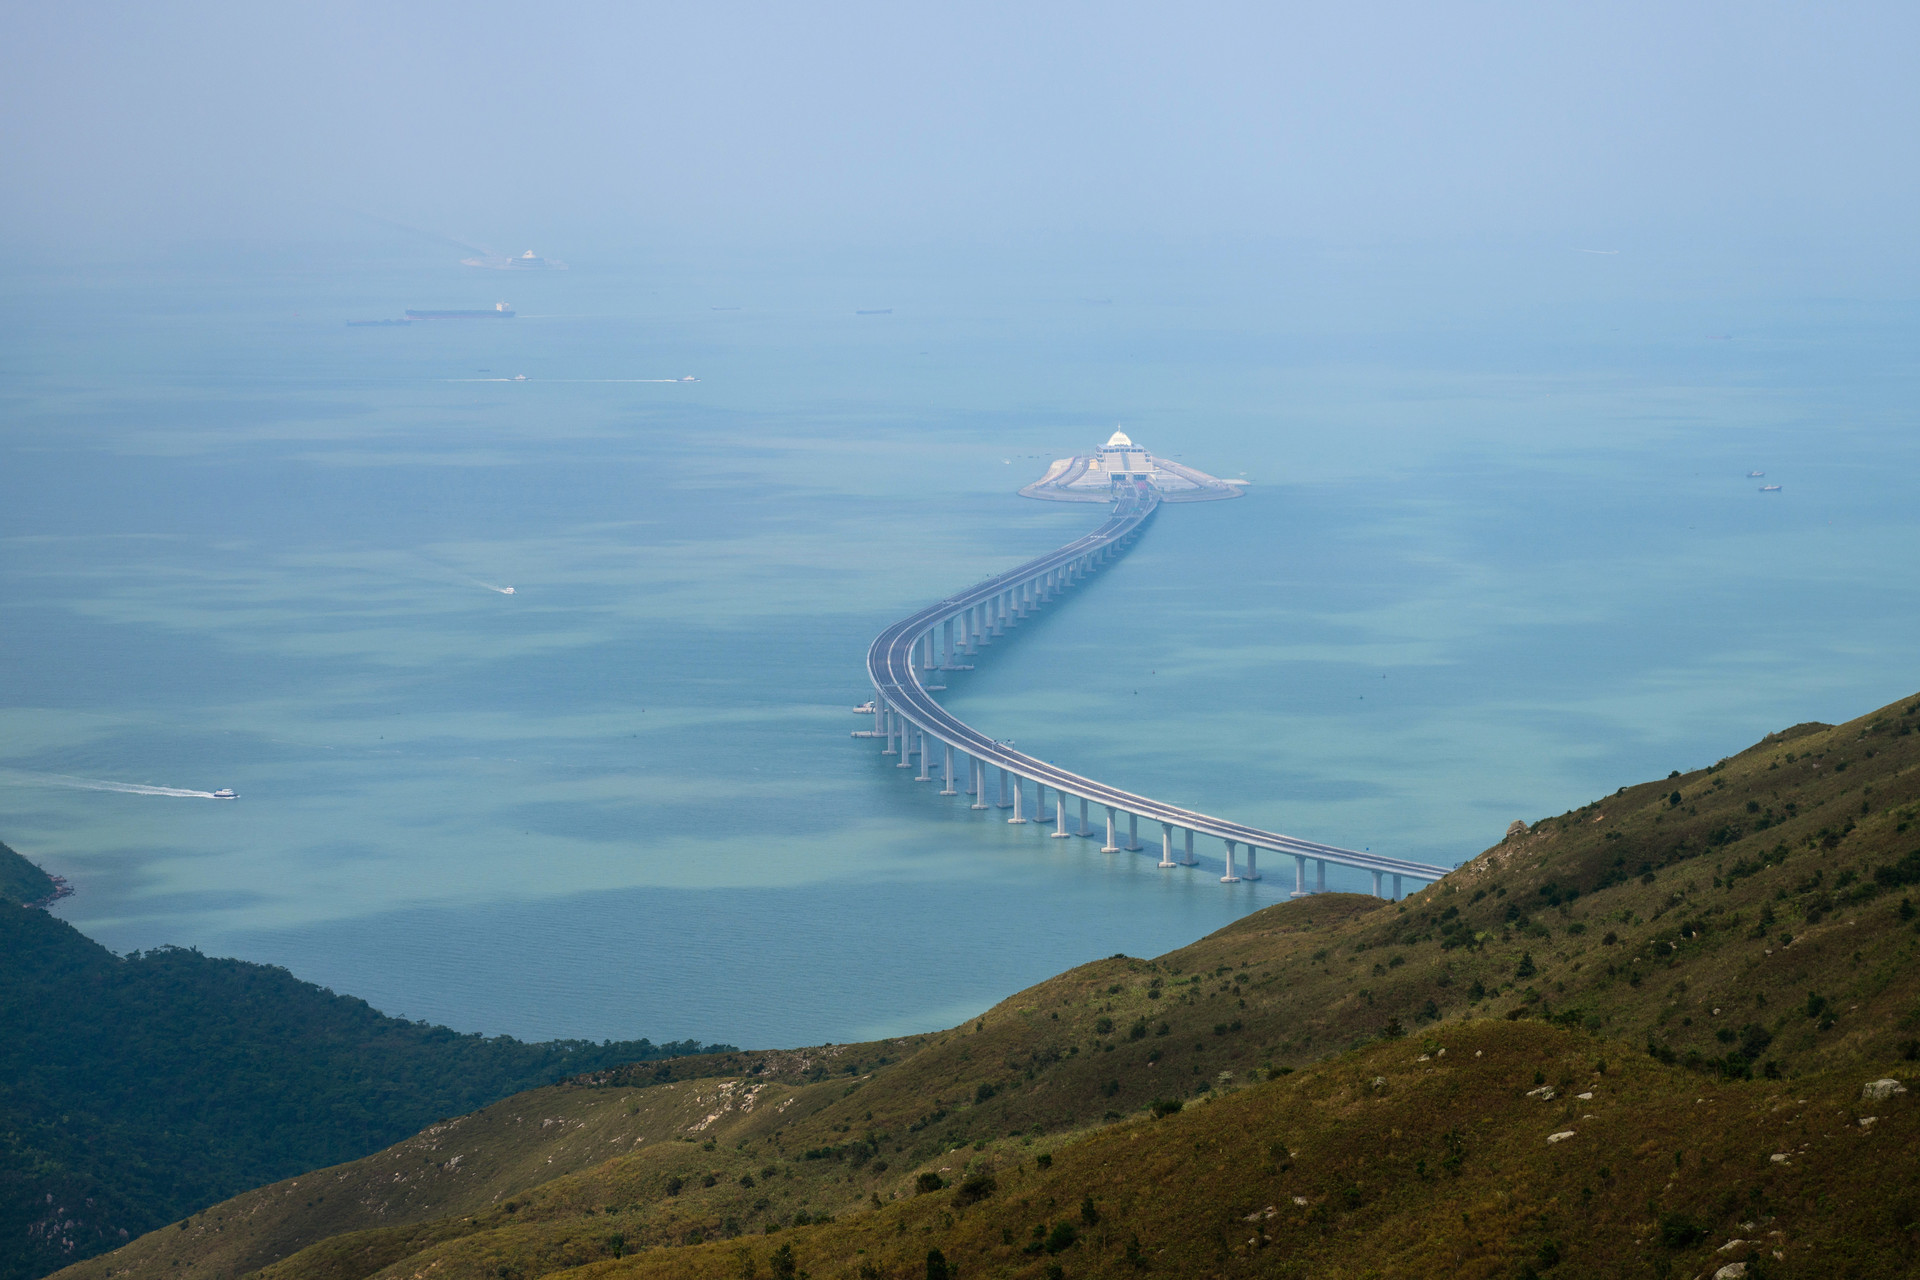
[{"x": 21, "y": 778}]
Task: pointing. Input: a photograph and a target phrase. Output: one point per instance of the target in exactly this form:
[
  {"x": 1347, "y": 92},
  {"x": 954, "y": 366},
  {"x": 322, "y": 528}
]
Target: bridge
[{"x": 914, "y": 725}]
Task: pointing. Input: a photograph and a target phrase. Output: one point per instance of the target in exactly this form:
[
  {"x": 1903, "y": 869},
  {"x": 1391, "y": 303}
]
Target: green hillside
[
  {"x": 136, "y": 1089},
  {"x": 1723, "y": 959}
]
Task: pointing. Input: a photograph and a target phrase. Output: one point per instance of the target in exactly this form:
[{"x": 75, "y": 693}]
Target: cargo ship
[{"x": 500, "y": 311}]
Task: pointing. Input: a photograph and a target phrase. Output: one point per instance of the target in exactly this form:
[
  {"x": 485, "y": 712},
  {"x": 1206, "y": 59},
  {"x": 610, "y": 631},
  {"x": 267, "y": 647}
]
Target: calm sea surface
[{"x": 1500, "y": 555}]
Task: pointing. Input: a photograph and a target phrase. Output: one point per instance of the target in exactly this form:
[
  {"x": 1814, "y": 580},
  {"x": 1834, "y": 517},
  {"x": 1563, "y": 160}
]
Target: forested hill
[{"x": 135, "y": 1090}]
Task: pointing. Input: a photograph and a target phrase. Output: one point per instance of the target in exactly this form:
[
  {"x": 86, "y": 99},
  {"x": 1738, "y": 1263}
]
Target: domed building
[{"x": 1090, "y": 477}]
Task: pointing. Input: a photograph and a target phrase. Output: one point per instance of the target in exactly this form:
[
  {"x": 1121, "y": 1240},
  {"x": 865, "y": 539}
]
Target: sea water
[{"x": 1499, "y": 554}]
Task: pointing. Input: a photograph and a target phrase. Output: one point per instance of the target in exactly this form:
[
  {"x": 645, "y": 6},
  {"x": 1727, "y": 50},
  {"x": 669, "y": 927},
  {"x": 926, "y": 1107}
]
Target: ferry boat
[
  {"x": 226, "y": 793},
  {"x": 864, "y": 709}
]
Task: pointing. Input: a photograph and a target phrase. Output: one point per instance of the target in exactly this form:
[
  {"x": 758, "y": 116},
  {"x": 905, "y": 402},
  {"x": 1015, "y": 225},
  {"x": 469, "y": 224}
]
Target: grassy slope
[{"x": 1745, "y": 916}]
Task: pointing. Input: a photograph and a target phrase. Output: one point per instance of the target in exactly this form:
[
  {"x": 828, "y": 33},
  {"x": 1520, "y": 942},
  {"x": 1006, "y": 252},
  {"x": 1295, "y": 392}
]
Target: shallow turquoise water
[{"x": 1500, "y": 556}]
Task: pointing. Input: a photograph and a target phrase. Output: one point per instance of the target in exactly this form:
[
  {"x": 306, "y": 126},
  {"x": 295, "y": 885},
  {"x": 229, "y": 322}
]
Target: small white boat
[
  {"x": 1769, "y": 488},
  {"x": 226, "y": 793},
  {"x": 864, "y": 709},
  {"x": 1755, "y": 475}
]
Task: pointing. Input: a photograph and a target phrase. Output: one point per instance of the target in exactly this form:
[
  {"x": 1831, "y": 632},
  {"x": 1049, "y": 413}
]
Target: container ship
[{"x": 500, "y": 311}]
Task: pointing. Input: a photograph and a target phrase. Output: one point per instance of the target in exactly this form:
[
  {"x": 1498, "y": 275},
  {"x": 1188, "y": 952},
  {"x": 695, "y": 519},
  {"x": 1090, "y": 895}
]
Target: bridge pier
[
  {"x": 1229, "y": 878},
  {"x": 977, "y": 787},
  {"x": 1019, "y": 791},
  {"x": 1191, "y": 860},
  {"x": 1084, "y": 830},
  {"x": 1253, "y": 863},
  {"x": 1299, "y": 876},
  {"x": 1166, "y": 844},
  {"x": 1133, "y": 833},
  {"x": 1320, "y": 875},
  {"x": 946, "y": 632},
  {"x": 1060, "y": 831},
  {"x": 1110, "y": 846},
  {"x": 906, "y": 744},
  {"x": 946, "y": 784},
  {"x": 1002, "y": 802},
  {"x": 1376, "y": 885},
  {"x": 885, "y": 726},
  {"x": 1396, "y": 888}
]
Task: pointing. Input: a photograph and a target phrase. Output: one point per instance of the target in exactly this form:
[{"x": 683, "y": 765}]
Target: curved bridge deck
[{"x": 937, "y": 637}]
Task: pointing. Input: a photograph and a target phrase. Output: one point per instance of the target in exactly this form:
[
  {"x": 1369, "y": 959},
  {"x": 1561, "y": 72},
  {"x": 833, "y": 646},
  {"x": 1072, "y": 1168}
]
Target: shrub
[
  {"x": 984, "y": 1092},
  {"x": 674, "y": 1184},
  {"x": 928, "y": 1181},
  {"x": 974, "y": 1188},
  {"x": 1103, "y": 1025},
  {"x": 1088, "y": 1213},
  {"x": 1061, "y": 1238},
  {"x": 1677, "y": 1231},
  {"x": 1166, "y": 1107},
  {"x": 937, "y": 1268},
  {"x": 1044, "y": 1160}
]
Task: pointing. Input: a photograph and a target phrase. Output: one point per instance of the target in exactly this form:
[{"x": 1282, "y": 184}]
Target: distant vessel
[
  {"x": 506, "y": 591},
  {"x": 1755, "y": 475},
  {"x": 519, "y": 377},
  {"x": 1769, "y": 488},
  {"x": 226, "y": 793},
  {"x": 528, "y": 261},
  {"x": 374, "y": 324},
  {"x": 500, "y": 311},
  {"x": 864, "y": 709},
  {"x": 689, "y": 378}
]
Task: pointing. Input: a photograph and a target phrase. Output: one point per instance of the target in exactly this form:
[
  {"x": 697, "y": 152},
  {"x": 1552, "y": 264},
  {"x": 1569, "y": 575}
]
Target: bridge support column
[
  {"x": 1299, "y": 876},
  {"x": 1191, "y": 860},
  {"x": 1040, "y": 802},
  {"x": 884, "y": 725},
  {"x": 946, "y": 633},
  {"x": 1084, "y": 830},
  {"x": 1229, "y": 878},
  {"x": 1019, "y": 793},
  {"x": 977, "y": 784},
  {"x": 946, "y": 782},
  {"x": 1253, "y": 863},
  {"x": 1396, "y": 888},
  {"x": 1166, "y": 844},
  {"x": 1133, "y": 833},
  {"x": 906, "y": 745},
  {"x": 1003, "y": 790},
  {"x": 1110, "y": 846},
  {"x": 1060, "y": 831},
  {"x": 926, "y": 761},
  {"x": 1320, "y": 875},
  {"x": 1376, "y": 884}
]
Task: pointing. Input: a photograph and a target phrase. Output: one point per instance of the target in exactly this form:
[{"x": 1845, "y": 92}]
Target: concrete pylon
[
  {"x": 1110, "y": 846},
  {"x": 1230, "y": 877},
  {"x": 977, "y": 769},
  {"x": 946, "y": 788},
  {"x": 1133, "y": 833},
  {"x": 1166, "y": 844},
  {"x": 1191, "y": 860},
  {"x": 1299, "y": 876},
  {"x": 1019, "y": 791},
  {"x": 1376, "y": 884},
  {"x": 1320, "y": 875},
  {"x": 1253, "y": 864},
  {"x": 1084, "y": 829},
  {"x": 1060, "y": 831}
]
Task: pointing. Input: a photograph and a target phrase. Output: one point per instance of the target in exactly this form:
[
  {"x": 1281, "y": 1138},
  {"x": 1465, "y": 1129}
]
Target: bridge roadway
[{"x": 933, "y": 639}]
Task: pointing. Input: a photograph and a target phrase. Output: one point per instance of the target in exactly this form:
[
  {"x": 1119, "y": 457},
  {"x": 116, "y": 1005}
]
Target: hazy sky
[{"x": 560, "y": 124}]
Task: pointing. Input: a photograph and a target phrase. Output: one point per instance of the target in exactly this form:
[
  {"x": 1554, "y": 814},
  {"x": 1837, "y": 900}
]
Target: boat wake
[{"x": 22, "y": 778}]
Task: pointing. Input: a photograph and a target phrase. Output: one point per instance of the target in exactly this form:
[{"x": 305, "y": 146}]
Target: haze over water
[{"x": 1500, "y": 555}]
